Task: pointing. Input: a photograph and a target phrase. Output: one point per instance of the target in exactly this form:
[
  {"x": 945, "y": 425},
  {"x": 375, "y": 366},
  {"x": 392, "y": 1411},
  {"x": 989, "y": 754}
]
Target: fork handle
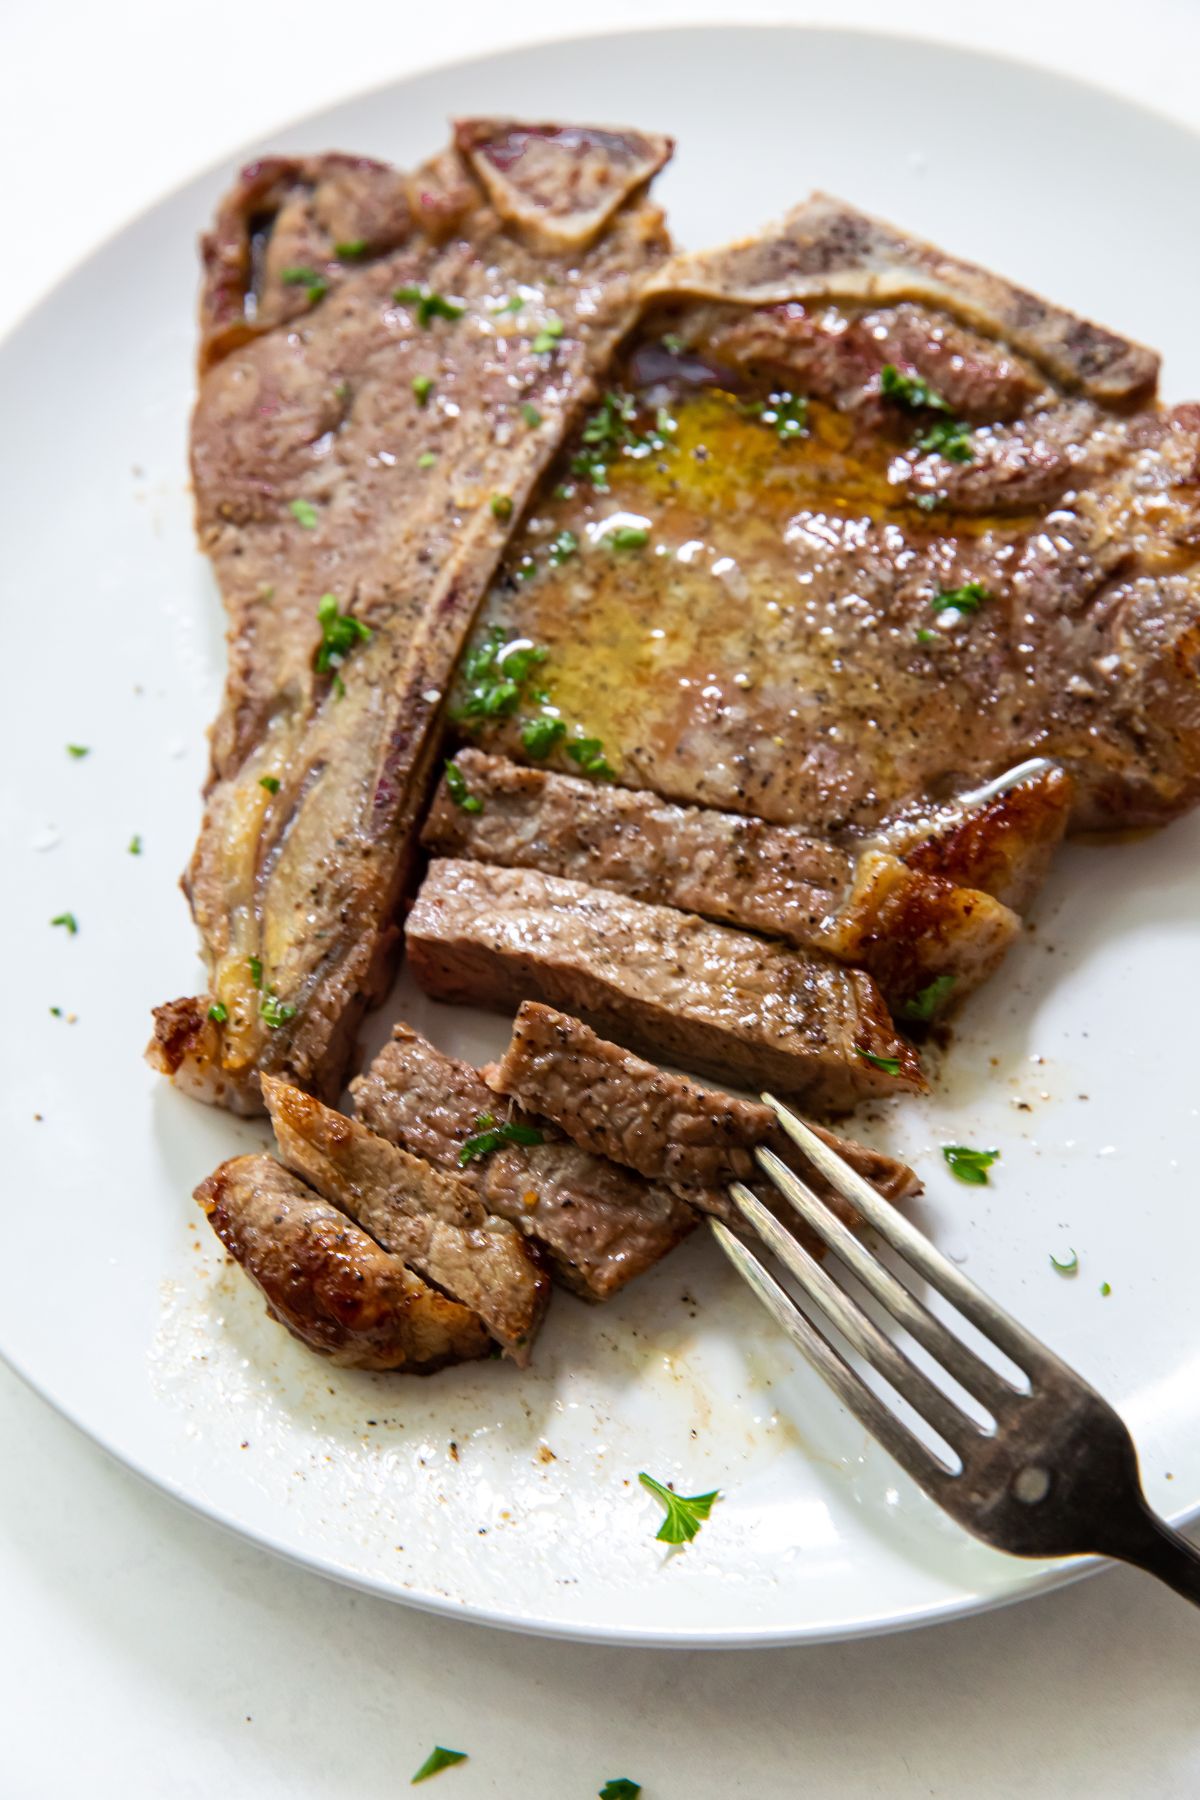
[{"x": 1146, "y": 1541}]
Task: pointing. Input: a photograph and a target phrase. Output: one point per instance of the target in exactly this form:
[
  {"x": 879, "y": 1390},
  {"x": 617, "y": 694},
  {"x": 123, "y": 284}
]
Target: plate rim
[{"x": 721, "y": 1637}]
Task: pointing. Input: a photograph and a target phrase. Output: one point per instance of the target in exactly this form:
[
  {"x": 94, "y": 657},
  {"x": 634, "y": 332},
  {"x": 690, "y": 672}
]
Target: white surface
[{"x": 876, "y": 1728}]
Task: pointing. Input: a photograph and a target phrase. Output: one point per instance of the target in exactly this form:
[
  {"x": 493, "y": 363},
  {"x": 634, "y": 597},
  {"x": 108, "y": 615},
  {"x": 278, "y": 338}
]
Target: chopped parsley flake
[
  {"x": 1106, "y": 1288},
  {"x": 530, "y": 414},
  {"x": 339, "y": 633},
  {"x": 304, "y": 513},
  {"x": 426, "y": 459},
  {"x": 671, "y": 342},
  {"x": 539, "y": 736},
  {"x": 628, "y": 537},
  {"x": 514, "y": 304},
  {"x": 928, "y": 503},
  {"x": 926, "y": 1002},
  {"x": 788, "y": 413},
  {"x": 437, "y": 1760},
  {"x": 422, "y": 387},
  {"x": 970, "y": 1165},
  {"x": 502, "y": 506},
  {"x": 68, "y": 921},
  {"x": 588, "y": 752},
  {"x": 950, "y": 438},
  {"x": 620, "y": 1789},
  {"x": 563, "y": 546},
  {"x": 218, "y": 1012},
  {"x": 611, "y": 432},
  {"x": 909, "y": 390},
  {"x": 889, "y": 1064},
  {"x": 254, "y": 964},
  {"x": 56, "y": 1012},
  {"x": 547, "y": 338},
  {"x": 925, "y": 636},
  {"x": 79, "y": 750},
  {"x": 314, "y": 285},
  {"x": 134, "y": 845},
  {"x": 966, "y": 599},
  {"x": 275, "y": 1012},
  {"x": 350, "y": 251},
  {"x": 684, "y": 1516},
  {"x": 494, "y": 673},
  {"x": 1068, "y": 1266},
  {"x": 270, "y": 782},
  {"x": 489, "y": 1136},
  {"x": 428, "y": 305},
  {"x": 459, "y": 792}
]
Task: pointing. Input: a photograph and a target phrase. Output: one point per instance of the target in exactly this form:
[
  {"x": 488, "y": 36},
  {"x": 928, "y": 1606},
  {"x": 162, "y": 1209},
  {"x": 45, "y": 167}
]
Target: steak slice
[
  {"x": 664, "y": 1126},
  {"x": 433, "y": 1221},
  {"x": 327, "y": 1281},
  {"x": 900, "y": 916},
  {"x": 598, "y": 1224},
  {"x": 702, "y": 995},
  {"x": 388, "y": 363},
  {"x": 741, "y": 571}
]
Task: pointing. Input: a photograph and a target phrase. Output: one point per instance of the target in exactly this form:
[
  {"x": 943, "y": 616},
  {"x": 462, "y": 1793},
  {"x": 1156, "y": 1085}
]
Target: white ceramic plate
[{"x": 511, "y": 1498}]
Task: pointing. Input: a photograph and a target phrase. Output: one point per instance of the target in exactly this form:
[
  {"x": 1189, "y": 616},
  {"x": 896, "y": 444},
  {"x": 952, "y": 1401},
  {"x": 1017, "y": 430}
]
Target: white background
[{"x": 143, "y": 1652}]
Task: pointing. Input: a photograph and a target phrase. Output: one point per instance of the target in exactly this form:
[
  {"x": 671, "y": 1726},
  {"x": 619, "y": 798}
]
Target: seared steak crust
[
  {"x": 327, "y": 1281},
  {"x": 372, "y": 413},
  {"x": 598, "y": 1224},
  {"x": 713, "y": 999}
]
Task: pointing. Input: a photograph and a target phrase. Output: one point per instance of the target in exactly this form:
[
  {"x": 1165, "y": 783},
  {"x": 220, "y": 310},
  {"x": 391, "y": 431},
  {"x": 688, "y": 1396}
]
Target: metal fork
[{"x": 1057, "y": 1472}]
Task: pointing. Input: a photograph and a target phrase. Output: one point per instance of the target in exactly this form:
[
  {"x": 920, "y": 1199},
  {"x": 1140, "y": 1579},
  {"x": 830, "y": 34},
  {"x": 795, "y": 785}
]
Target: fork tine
[
  {"x": 926, "y": 1469},
  {"x": 972, "y": 1373},
  {"x": 1027, "y": 1351},
  {"x": 856, "y": 1326}
]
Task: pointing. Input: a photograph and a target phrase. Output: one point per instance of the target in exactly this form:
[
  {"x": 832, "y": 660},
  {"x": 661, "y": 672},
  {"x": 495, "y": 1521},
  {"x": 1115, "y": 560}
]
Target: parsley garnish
[
  {"x": 314, "y": 285},
  {"x": 925, "y": 636},
  {"x": 970, "y": 1165},
  {"x": 304, "y": 513},
  {"x": 134, "y": 845},
  {"x": 459, "y": 792},
  {"x": 588, "y": 752},
  {"x": 78, "y": 750},
  {"x": 928, "y": 503},
  {"x": 275, "y": 1012},
  {"x": 218, "y": 1012},
  {"x": 539, "y": 736},
  {"x": 628, "y": 537},
  {"x": 502, "y": 506},
  {"x": 68, "y": 921},
  {"x": 530, "y": 414},
  {"x": 671, "y": 342},
  {"x": 254, "y": 964},
  {"x": 494, "y": 673},
  {"x": 547, "y": 338},
  {"x": 684, "y": 1516},
  {"x": 909, "y": 390},
  {"x": 788, "y": 413},
  {"x": 925, "y": 1003},
  {"x": 620, "y": 1789},
  {"x": 1106, "y": 1288},
  {"x": 339, "y": 633},
  {"x": 564, "y": 545},
  {"x": 270, "y": 782},
  {"x": 348, "y": 252},
  {"x": 610, "y": 432},
  {"x": 1068, "y": 1267},
  {"x": 428, "y": 305},
  {"x": 422, "y": 387},
  {"x": 966, "y": 599},
  {"x": 426, "y": 459},
  {"x": 56, "y": 1012},
  {"x": 950, "y": 438},
  {"x": 889, "y": 1064},
  {"x": 489, "y": 1136},
  {"x": 514, "y": 304},
  {"x": 437, "y": 1760}
]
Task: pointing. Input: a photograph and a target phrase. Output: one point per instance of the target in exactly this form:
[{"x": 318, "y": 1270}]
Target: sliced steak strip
[
  {"x": 366, "y": 431},
  {"x": 435, "y": 1222},
  {"x": 701, "y": 995},
  {"x": 664, "y": 1126},
  {"x": 599, "y": 1224},
  {"x": 327, "y": 1281}
]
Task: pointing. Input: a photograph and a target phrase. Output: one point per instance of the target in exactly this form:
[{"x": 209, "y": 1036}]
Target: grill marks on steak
[
  {"x": 598, "y": 1224},
  {"x": 666, "y": 1127},
  {"x": 327, "y": 1280},
  {"x": 307, "y": 395},
  {"x": 714, "y": 999},
  {"x": 435, "y": 1222},
  {"x": 778, "y": 648}
]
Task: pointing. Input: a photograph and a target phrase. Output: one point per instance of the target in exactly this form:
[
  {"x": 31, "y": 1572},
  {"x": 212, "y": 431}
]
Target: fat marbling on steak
[
  {"x": 435, "y": 1222},
  {"x": 388, "y": 362},
  {"x": 327, "y": 1281},
  {"x": 663, "y": 1125},
  {"x": 859, "y": 526},
  {"x": 598, "y": 1224},
  {"x": 705, "y": 996}
]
